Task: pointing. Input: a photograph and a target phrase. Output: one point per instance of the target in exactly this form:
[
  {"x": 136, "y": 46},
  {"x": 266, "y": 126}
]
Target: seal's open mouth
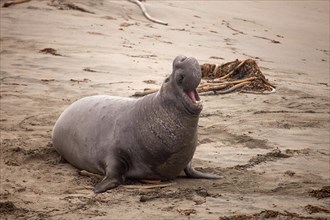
[
  {"x": 194, "y": 102},
  {"x": 192, "y": 96}
]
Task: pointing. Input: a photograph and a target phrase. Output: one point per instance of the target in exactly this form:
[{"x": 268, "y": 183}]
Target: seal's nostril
[{"x": 183, "y": 59}]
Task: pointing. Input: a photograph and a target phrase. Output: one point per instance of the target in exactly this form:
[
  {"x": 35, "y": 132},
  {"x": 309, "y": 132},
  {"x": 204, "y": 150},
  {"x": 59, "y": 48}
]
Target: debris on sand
[
  {"x": 51, "y": 51},
  {"x": 87, "y": 69},
  {"x": 268, "y": 157},
  {"x": 311, "y": 209},
  {"x": 289, "y": 173},
  {"x": 260, "y": 158},
  {"x": 149, "y": 81},
  {"x": 239, "y": 75},
  {"x": 321, "y": 193},
  {"x": 186, "y": 212},
  {"x": 80, "y": 81},
  {"x": 8, "y": 207},
  {"x": 266, "y": 214},
  {"x": 47, "y": 80},
  {"x": 64, "y": 5}
]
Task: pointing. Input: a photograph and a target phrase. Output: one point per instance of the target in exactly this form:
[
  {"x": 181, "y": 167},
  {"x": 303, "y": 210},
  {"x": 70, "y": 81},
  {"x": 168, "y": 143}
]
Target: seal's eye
[{"x": 180, "y": 80}]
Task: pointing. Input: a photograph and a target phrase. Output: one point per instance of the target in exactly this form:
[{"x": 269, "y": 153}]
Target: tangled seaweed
[
  {"x": 243, "y": 76},
  {"x": 236, "y": 76}
]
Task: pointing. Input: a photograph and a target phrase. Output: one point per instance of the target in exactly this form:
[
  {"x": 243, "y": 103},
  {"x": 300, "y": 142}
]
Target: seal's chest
[{"x": 176, "y": 162}]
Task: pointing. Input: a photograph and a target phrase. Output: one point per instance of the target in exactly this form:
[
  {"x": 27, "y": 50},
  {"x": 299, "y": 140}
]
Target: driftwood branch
[
  {"x": 155, "y": 186},
  {"x": 145, "y": 92},
  {"x": 217, "y": 90},
  {"x": 153, "y": 183},
  {"x": 145, "y": 13},
  {"x": 215, "y": 83}
]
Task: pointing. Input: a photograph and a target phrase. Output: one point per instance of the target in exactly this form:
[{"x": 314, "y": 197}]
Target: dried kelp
[{"x": 243, "y": 76}]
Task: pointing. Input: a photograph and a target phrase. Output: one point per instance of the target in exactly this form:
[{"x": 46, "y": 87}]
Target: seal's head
[{"x": 182, "y": 84}]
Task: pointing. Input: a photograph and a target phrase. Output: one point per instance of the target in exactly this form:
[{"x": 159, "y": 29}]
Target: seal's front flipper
[
  {"x": 192, "y": 173},
  {"x": 106, "y": 183}
]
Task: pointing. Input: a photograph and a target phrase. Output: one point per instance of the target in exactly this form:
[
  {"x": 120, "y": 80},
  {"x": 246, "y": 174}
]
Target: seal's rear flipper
[
  {"x": 192, "y": 173},
  {"x": 114, "y": 176},
  {"x": 105, "y": 184}
]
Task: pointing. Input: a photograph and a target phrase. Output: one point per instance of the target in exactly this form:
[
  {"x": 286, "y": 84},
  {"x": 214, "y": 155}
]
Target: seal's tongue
[{"x": 192, "y": 96}]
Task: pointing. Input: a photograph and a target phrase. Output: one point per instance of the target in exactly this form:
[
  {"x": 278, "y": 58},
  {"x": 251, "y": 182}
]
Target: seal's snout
[
  {"x": 192, "y": 74},
  {"x": 178, "y": 60},
  {"x": 183, "y": 59}
]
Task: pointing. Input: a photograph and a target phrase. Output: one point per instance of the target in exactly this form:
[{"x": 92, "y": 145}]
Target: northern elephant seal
[{"x": 153, "y": 137}]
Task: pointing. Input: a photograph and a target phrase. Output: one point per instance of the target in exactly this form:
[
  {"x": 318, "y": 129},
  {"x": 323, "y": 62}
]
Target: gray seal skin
[{"x": 153, "y": 137}]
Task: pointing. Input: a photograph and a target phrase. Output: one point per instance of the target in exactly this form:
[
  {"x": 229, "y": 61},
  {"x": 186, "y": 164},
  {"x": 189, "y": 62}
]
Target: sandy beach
[{"x": 273, "y": 150}]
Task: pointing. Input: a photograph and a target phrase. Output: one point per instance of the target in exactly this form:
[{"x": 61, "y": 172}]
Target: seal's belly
[{"x": 85, "y": 131}]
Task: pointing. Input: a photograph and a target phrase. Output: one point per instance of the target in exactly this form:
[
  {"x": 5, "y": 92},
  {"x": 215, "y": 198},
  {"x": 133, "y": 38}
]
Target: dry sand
[{"x": 273, "y": 150}]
